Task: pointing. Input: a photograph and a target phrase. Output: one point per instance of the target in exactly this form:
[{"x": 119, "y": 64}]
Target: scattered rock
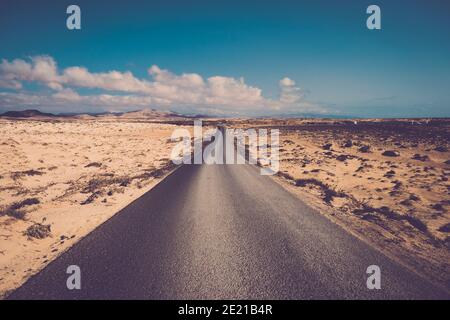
[
  {"x": 327, "y": 146},
  {"x": 390, "y": 153},
  {"x": 364, "y": 149},
  {"x": 342, "y": 157},
  {"x": 441, "y": 149},
  {"x": 406, "y": 202},
  {"x": 124, "y": 183},
  {"x": 420, "y": 158},
  {"x": 93, "y": 164},
  {"x": 389, "y": 174},
  {"x": 288, "y": 141},
  {"x": 347, "y": 144},
  {"x": 438, "y": 207},
  {"x": 445, "y": 228},
  {"x": 397, "y": 184}
]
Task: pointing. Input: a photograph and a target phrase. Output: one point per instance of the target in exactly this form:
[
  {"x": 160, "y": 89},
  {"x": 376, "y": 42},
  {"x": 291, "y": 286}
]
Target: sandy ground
[
  {"x": 385, "y": 181},
  {"x": 61, "y": 179}
]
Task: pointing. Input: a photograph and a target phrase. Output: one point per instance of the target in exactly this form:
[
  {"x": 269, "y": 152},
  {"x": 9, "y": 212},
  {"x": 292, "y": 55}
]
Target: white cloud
[
  {"x": 67, "y": 95},
  {"x": 290, "y": 93},
  {"x": 10, "y": 84},
  {"x": 164, "y": 89},
  {"x": 41, "y": 69},
  {"x": 112, "y": 81}
]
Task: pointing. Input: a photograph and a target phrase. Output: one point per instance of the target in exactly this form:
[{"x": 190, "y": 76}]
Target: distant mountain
[
  {"x": 145, "y": 114},
  {"x": 31, "y": 113}
]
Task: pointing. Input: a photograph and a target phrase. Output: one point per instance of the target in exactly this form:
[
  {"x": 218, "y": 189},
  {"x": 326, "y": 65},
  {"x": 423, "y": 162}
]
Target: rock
[
  {"x": 406, "y": 203},
  {"x": 441, "y": 149},
  {"x": 390, "y": 153},
  {"x": 445, "y": 228},
  {"x": 389, "y": 174},
  {"x": 327, "y": 146},
  {"x": 341, "y": 157},
  {"x": 347, "y": 144},
  {"x": 364, "y": 149},
  {"x": 420, "y": 158},
  {"x": 438, "y": 207},
  {"x": 93, "y": 164}
]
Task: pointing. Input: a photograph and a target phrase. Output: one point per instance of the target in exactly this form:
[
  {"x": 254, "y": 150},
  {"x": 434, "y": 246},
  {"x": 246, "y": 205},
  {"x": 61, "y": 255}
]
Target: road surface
[{"x": 222, "y": 232}]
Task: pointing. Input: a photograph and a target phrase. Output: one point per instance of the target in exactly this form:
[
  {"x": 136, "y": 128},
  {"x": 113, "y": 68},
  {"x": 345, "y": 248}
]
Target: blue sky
[{"x": 228, "y": 57}]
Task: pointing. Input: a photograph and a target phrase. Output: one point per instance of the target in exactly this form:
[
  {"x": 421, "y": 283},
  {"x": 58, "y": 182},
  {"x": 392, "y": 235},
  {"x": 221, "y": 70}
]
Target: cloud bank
[{"x": 122, "y": 91}]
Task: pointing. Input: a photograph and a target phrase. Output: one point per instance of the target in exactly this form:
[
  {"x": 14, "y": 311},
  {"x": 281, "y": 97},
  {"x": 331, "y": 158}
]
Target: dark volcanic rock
[
  {"x": 441, "y": 149},
  {"x": 347, "y": 144},
  {"x": 445, "y": 228},
  {"x": 389, "y": 174},
  {"x": 327, "y": 146},
  {"x": 420, "y": 158},
  {"x": 342, "y": 157},
  {"x": 364, "y": 149},
  {"x": 390, "y": 153}
]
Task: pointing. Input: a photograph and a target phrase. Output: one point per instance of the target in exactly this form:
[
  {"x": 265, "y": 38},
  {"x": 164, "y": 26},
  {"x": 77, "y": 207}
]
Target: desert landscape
[
  {"x": 385, "y": 181},
  {"x": 221, "y": 151},
  {"x": 62, "y": 177}
]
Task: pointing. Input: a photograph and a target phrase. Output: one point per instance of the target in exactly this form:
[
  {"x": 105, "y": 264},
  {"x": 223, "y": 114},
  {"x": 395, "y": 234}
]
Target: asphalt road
[{"x": 222, "y": 232}]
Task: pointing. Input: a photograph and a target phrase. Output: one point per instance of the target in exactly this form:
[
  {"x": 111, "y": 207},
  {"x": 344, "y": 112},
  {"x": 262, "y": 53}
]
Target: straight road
[{"x": 222, "y": 232}]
